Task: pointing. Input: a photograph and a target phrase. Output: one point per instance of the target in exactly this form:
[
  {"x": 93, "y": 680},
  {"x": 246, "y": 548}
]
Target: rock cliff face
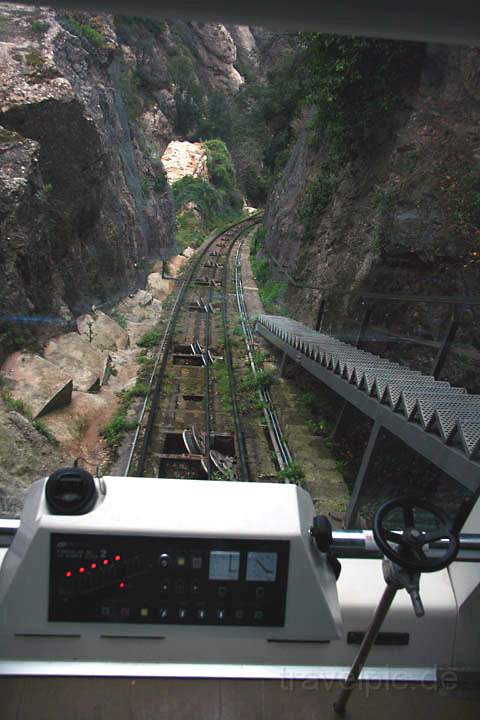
[
  {"x": 88, "y": 104},
  {"x": 404, "y": 219},
  {"x": 77, "y": 223}
]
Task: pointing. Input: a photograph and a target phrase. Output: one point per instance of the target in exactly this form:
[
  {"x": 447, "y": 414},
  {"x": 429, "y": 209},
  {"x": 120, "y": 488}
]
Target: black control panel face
[{"x": 168, "y": 581}]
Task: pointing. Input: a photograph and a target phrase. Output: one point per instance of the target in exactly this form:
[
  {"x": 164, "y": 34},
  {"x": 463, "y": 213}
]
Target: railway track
[
  {"x": 181, "y": 432},
  {"x": 277, "y": 440}
]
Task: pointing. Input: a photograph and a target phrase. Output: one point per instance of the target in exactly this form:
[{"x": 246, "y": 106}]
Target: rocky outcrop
[
  {"x": 216, "y": 50},
  {"x": 158, "y": 286},
  {"x": 404, "y": 218},
  {"x": 185, "y": 158},
  {"x": 79, "y": 219},
  {"x": 80, "y": 359},
  {"x": 88, "y": 105},
  {"x": 102, "y": 331},
  {"x": 36, "y": 382},
  {"x": 26, "y": 456}
]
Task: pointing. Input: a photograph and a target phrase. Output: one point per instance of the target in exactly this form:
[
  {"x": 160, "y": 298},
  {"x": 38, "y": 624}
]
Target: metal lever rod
[
  {"x": 416, "y": 602},
  {"x": 396, "y": 578},
  {"x": 367, "y": 643}
]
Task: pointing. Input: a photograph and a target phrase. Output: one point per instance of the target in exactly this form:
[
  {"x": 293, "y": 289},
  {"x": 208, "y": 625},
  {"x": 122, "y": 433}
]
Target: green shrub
[
  {"x": 292, "y": 473},
  {"x": 93, "y": 36},
  {"x": 353, "y": 82},
  {"x": 220, "y": 165},
  {"x": 140, "y": 389},
  {"x": 262, "y": 380},
  {"x": 317, "y": 427},
  {"x": 319, "y": 192},
  {"x": 207, "y": 198},
  {"x": 38, "y": 26},
  {"x": 150, "y": 339},
  {"x": 271, "y": 293},
  {"x": 114, "y": 431}
]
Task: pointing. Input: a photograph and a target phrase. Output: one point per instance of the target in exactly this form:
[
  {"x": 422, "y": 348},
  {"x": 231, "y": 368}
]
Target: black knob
[
  {"x": 321, "y": 531},
  {"x": 164, "y": 560},
  {"x": 70, "y": 491}
]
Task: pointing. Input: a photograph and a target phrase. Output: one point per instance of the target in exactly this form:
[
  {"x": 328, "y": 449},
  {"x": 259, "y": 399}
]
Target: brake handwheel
[{"x": 406, "y": 548}]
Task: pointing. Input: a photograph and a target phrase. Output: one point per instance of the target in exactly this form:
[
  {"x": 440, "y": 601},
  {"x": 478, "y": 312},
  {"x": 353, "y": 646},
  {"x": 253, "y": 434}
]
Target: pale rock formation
[
  {"x": 247, "y": 50},
  {"x": 188, "y": 252},
  {"x": 216, "y": 50},
  {"x": 102, "y": 331},
  {"x": 79, "y": 358},
  {"x": 185, "y": 158},
  {"x": 176, "y": 264},
  {"x": 159, "y": 287},
  {"x": 26, "y": 456},
  {"x": 38, "y": 383}
]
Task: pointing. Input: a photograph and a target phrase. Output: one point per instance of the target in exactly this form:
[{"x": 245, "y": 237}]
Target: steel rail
[
  {"x": 280, "y": 446},
  {"x": 208, "y": 406},
  {"x": 242, "y": 452},
  {"x": 156, "y": 378}
]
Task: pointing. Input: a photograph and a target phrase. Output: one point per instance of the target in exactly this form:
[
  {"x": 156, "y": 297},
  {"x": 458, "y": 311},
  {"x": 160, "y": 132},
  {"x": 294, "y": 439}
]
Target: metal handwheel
[
  {"x": 407, "y": 558},
  {"x": 411, "y": 540}
]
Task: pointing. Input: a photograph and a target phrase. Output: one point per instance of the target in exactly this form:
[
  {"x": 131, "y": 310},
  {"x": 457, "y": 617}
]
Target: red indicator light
[
  {"x": 81, "y": 570},
  {"x": 105, "y": 562},
  {"x": 68, "y": 573},
  {"x": 121, "y": 585},
  {"x": 93, "y": 566},
  {"x": 117, "y": 557}
]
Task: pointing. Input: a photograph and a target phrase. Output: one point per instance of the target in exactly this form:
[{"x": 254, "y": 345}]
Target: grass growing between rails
[{"x": 292, "y": 473}]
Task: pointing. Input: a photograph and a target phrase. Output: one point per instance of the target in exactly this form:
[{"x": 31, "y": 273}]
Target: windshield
[{"x": 169, "y": 186}]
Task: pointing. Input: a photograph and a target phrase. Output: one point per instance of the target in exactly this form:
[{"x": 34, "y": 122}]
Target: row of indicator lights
[{"x": 93, "y": 566}]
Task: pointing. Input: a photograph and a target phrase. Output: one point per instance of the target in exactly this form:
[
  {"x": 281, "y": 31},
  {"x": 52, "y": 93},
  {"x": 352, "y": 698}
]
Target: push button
[
  {"x": 222, "y": 591},
  {"x": 239, "y": 614},
  {"x": 164, "y": 560},
  {"x": 163, "y": 613},
  {"x": 220, "y": 614},
  {"x": 201, "y": 614},
  {"x": 196, "y": 562},
  {"x": 260, "y": 592},
  {"x": 182, "y": 613},
  {"x": 180, "y": 587},
  {"x": 164, "y": 586},
  {"x": 258, "y": 615},
  {"x": 195, "y": 587}
]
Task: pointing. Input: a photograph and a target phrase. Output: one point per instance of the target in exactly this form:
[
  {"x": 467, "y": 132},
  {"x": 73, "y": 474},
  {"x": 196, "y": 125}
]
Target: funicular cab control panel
[
  {"x": 213, "y": 572},
  {"x": 168, "y": 580}
]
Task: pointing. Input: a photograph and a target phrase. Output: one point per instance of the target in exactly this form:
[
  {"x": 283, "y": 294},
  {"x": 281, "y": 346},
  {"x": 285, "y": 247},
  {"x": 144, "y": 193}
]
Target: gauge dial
[
  {"x": 224, "y": 565},
  {"x": 262, "y": 566}
]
